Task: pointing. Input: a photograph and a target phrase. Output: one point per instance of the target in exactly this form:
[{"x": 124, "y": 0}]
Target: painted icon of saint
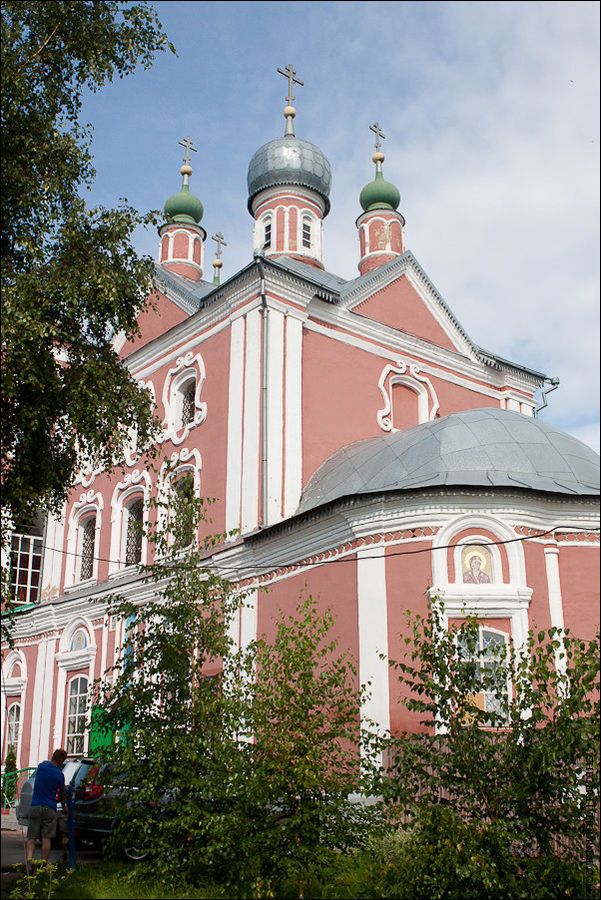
[{"x": 474, "y": 573}]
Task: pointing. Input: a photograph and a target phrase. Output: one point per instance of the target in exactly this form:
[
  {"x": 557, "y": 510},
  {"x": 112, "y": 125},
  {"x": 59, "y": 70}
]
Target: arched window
[
  {"x": 133, "y": 539},
  {"x": 79, "y": 641},
  {"x": 187, "y": 402},
  {"x": 306, "y": 235},
  {"x": 13, "y": 721},
  {"x": 87, "y": 541},
  {"x": 76, "y": 715},
  {"x": 267, "y": 234}
]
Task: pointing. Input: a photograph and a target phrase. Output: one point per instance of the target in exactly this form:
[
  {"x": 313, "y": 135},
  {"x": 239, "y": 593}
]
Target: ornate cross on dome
[
  {"x": 378, "y": 133},
  {"x": 290, "y": 73},
  {"x": 218, "y": 238},
  {"x": 187, "y": 143}
]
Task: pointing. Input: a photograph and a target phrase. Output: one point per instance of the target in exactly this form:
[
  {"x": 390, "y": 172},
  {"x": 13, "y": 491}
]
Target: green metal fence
[{"x": 12, "y": 782}]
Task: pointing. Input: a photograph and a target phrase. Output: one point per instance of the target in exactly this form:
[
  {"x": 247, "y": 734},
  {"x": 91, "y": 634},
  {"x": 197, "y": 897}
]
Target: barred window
[
  {"x": 188, "y": 403},
  {"x": 88, "y": 539},
  {"x": 267, "y": 240},
  {"x": 133, "y": 541},
  {"x": 306, "y": 233},
  {"x": 76, "y": 715}
]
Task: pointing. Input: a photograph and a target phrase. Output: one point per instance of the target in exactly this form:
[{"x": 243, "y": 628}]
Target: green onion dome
[
  {"x": 184, "y": 207},
  {"x": 379, "y": 194}
]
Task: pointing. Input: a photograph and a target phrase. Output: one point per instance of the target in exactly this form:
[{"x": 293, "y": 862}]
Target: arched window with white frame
[
  {"x": 84, "y": 524},
  {"x": 267, "y": 227},
  {"x": 77, "y": 715},
  {"x": 129, "y": 521},
  {"x": 13, "y": 726},
  {"x": 182, "y": 389},
  {"x": 134, "y": 531}
]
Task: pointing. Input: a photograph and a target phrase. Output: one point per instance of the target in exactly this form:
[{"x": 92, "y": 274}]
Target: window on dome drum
[
  {"x": 77, "y": 715},
  {"x": 79, "y": 641},
  {"x": 13, "y": 720},
  {"x": 489, "y": 656},
  {"x": 88, "y": 539},
  {"x": 267, "y": 235},
  {"x": 188, "y": 393},
  {"x": 306, "y": 233},
  {"x": 133, "y": 540},
  {"x": 25, "y": 567}
]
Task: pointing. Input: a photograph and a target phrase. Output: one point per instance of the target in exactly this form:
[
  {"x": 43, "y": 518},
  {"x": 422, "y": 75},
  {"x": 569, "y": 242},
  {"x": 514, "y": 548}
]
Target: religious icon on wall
[{"x": 476, "y": 565}]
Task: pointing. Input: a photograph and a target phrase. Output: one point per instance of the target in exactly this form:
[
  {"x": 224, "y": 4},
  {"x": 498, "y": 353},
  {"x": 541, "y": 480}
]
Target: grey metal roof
[
  {"x": 188, "y": 294},
  {"x": 289, "y": 160},
  {"x": 476, "y": 448}
]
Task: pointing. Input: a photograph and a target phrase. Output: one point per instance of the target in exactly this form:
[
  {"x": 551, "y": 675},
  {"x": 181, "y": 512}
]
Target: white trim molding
[
  {"x": 187, "y": 368},
  {"x": 409, "y": 375}
]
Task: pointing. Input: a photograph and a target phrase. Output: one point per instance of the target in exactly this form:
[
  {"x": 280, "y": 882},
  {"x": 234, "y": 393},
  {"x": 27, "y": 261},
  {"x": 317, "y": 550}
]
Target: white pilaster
[
  {"x": 293, "y": 439},
  {"x": 47, "y": 698},
  {"x": 38, "y": 693},
  {"x": 555, "y": 599},
  {"x": 275, "y": 415},
  {"x": 252, "y": 423},
  {"x": 373, "y": 635},
  {"x": 234, "y": 426}
]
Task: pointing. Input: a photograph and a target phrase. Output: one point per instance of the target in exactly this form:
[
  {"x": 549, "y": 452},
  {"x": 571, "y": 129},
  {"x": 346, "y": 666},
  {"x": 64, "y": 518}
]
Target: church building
[{"x": 362, "y": 447}]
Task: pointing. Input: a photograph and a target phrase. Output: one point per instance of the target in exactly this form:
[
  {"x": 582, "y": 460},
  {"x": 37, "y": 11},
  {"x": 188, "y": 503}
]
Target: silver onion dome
[{"x": 289, "y": 160}]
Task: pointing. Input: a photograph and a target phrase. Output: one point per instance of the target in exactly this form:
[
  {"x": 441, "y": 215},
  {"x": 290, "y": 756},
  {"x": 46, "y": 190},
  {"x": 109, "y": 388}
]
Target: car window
[
  {"x": 70, "y": 768},
  {"x": 82, "y": 773}
]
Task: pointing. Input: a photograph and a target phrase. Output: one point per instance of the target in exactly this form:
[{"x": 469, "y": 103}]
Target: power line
[{"x": 351, "y": 553}]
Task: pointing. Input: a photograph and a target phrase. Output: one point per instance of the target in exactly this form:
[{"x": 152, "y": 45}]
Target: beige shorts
[{"x": 42, "y": 823}]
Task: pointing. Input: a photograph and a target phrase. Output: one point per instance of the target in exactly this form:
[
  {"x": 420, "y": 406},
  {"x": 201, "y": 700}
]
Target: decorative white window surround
[
  {"x": 89, "y": 504},
  {"x": 136, "y": 484},
  {"x": 130, "y": 449},
  {"x": 13, "y": 691},
  {"x": 493, "y": 601},
  {"x": 495, "y": 559},
  {"x": 187, "y": 367},
  {"x": 409, "y": 375},
  {"x": 365, "y": 227},
  {"x": 180, "y": 463},
  {"x": 82, "y": 661}
]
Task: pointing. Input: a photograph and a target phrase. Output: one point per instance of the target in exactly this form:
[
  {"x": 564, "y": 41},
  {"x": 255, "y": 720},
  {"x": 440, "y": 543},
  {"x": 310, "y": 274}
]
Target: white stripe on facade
[
  {"x": 293, "y": 473},
  {"x": 555, "y": 600},
  {"x": 234, "y": 426},
  {"x": 47, "y": 697},
  {"x": 373, "y": 635},
  {"x": 275, "y": 414},
  {"x": 36, "y": 720},
  {"x": 252, "y": 423}
]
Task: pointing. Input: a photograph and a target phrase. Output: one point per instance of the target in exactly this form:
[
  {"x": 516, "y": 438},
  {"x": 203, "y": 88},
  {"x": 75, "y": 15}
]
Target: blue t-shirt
[{"x": 48, "y": 779}]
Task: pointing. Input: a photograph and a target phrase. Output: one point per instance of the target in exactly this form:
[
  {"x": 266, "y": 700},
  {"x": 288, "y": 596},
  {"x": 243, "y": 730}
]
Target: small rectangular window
[
  {"x": 306, "y": 233},
  {"x": 267, "y": 241}
]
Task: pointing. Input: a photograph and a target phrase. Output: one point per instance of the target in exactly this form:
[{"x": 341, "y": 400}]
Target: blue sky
[{"x": 491, "y": 117}]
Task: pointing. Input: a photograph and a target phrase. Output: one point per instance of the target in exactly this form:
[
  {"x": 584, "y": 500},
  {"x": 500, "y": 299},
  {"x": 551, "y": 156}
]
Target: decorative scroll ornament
[
  {"x": 409, "y": 375},
  {"x": 186, "y": 367}
]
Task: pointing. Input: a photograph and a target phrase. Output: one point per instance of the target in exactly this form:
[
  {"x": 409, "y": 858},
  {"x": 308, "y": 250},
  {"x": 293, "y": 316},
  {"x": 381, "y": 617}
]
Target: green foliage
[
  {"x": 10, "y": 767},
  {"x": 71, "y": 278},
  {"x": 303, "y": 702},
  {"x": 509, "y": 778},
  {"x": 43, "y": 882},
  {"x": 177, "y": 726}
]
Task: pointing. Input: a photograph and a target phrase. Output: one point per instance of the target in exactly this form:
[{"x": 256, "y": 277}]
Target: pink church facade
[{"x": 362, "y": 446}]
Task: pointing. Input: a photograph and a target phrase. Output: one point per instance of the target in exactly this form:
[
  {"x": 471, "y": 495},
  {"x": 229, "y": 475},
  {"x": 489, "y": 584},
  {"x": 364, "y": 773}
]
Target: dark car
[{"x": 75, "y": 771}]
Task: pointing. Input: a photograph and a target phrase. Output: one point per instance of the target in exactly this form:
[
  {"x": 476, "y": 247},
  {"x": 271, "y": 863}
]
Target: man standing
[{"x": 49, "y": 780}]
